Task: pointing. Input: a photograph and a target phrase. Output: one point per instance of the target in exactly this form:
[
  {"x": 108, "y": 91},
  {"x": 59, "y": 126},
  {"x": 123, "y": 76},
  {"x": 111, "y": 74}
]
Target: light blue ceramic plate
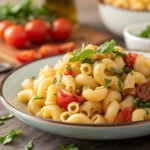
[{"x": 11, "y": 85}]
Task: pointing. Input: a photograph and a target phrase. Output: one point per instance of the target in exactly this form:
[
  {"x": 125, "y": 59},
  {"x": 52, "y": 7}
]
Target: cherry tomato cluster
[
  {"x": 44, "y": 51},
  {"x": 35, "y": 32}
]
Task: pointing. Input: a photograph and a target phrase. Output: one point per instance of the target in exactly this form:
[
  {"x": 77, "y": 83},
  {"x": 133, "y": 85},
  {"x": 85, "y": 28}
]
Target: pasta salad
[{"x": 93, "y": 84}]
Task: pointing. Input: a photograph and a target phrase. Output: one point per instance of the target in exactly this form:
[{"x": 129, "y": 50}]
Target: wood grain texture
[{"x": 88, "y": 15}]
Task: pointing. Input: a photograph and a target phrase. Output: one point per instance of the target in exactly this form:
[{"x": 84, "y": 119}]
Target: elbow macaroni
[{"x": 94, "y": 90}]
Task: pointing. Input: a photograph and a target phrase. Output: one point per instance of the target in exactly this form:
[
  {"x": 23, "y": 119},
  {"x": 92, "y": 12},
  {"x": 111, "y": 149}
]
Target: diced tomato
[
  {"x": 26, "y": 56},
  {"x": 68, "y": 70},
  {"x": 124, "y": 115},
  {"x": 48, "y": 50},
  {"x": 130, "y": 59},
  {"x": 67, "y": 47},
  {"x": 143, "y": 91},
  {"x": 64, "y": 98}
]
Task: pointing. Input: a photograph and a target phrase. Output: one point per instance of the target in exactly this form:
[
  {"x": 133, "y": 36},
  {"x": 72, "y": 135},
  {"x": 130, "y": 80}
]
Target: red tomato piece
[
  {"x": 130, "y": 59},
  {"x": 48, "y": 50},
  {"x": 143, "y": 91},
  {"x": 68, "y": 70},
  {"x": 3, "y": 26},
  {"x": 26, "y": 56},
  {"x": 61, "y": 29},
  {"x": 124, "y": 115},
  {"x": 67, "y": 47},
  {"x": 36, "y": 31},
  {"x": 16, "y": 36},
  {"x": 127, "y": 114},
  {"x": 64, "y": 98}
]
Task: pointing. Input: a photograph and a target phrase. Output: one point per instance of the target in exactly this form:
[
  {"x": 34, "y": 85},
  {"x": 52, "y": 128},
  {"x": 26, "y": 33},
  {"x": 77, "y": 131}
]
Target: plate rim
[{"x": 106, "y": 125}]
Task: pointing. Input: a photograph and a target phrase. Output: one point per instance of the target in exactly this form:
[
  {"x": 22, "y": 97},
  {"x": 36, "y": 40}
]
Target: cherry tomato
[
  {"x": 68, "y": 70},
  {"x": 67, "y": 47},
  {"x": 48, "y": 50},
  {"x": 143, "y": 91},
  {"x": 26, "y": 56},
  {"x": 61, "y": 29},
  {"x": 124, "y": 115},
  {"x": 36, "y": 31},
  {"x": 64, "y": 98},
  {"x": 16, "y": 36},
  {"x": 130, "y": 59},
  {"x": 3, "y": 26}
]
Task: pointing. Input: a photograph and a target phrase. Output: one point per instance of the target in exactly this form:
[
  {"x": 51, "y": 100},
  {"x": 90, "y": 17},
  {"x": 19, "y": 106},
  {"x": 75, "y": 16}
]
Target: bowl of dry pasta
[
  {"x": 95, "y": 92},
  {"x": 117, "y": 14}
]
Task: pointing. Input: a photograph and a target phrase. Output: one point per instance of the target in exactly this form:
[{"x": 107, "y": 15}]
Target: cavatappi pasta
[
  {"x": 94, "y": 84},
  {"x": 130, "y": 4}
]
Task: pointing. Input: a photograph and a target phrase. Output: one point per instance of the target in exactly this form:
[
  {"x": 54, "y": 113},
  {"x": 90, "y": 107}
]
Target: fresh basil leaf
[
  {"x": 107, "y": 47},
  {"x": 29, "y": 146},
  {"x": 57, "y": 80},
  {"x": 147, "y": 112},
  {"x": 107, "y": 82},
  {"x": 82, "y": 55},
  {"x": 89, "y": 61},
  {"x": 37, "y": 98},
  {"x": 117, "y": 53},
  {"x": 68, "y": 67},
  {"x": 6, "y": 117},
  {"x": 9, "y": 137},
  {"x": 120, "y": 85},
  {"x": 1, "y": 123},
  {"x": 127, "y": 70}
]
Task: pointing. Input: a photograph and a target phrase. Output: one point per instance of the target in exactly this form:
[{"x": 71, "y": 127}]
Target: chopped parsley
[
  {"x": 141, "y": 104},
  {"x": 9, "y": 137},
  {"x": 68, "y": 147},
  {"x": 33, "y": 78},
  {"x": 117, "y": 53},
  {"x": 120, "y": 85},
  {"x": 37, "y": 98},
  {"x": 107, "y": 82},
  {"x": 29, "y": 146},
  {"x": 6, "y": 117},
  {"x": 57, "y": 80},
  {"x": 127, "y": 70}
]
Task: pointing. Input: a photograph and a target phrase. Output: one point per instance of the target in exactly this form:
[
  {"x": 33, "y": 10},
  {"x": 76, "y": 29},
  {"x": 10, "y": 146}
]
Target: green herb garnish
[
  {"x": 82, "y": 55},
  {"x": 147, "y": 112},
  {"x": 89, "y": 61},
  {"x": 127, "y": 70},
  {"x": 29, "y": 146},
  {"x": 117, "y": 53},
  {"x": 37, "y": 98},
  {"x": 91, "y": 108},
  {"x": 86, "y": 87},
  {"x": 68, "y": 147},
  {"x": 57, "y": 80},
  {"x": 1, "y": 123},
  {"x": 107, "y": 82},
  {"x": 120, "y": 85},
  {"x": 107, "y": 47},
  {"x": 141, "y": 104},
  {"x": 146, "y": 33},
  {"x": 9, "y": 137},
  {"x": 132, "y": 72},
  {"x": 68, "y": 67},
  {"x": 115, "y": 70},
  {"x": 33, "y": 78},
  {"x": 80, "y": 102},
  {"x": 6, "y": 117}
]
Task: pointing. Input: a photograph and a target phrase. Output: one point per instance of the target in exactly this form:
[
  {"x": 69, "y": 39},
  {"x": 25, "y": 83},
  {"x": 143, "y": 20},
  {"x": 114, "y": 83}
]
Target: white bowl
[
  {"x": 11, "y": 86},
  {"x": 116, "y": 19},
  {"x": 132, "y": 39}
]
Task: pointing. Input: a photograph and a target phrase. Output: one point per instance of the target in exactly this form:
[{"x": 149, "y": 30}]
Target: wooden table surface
[{"x": 88, "y": 15}]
